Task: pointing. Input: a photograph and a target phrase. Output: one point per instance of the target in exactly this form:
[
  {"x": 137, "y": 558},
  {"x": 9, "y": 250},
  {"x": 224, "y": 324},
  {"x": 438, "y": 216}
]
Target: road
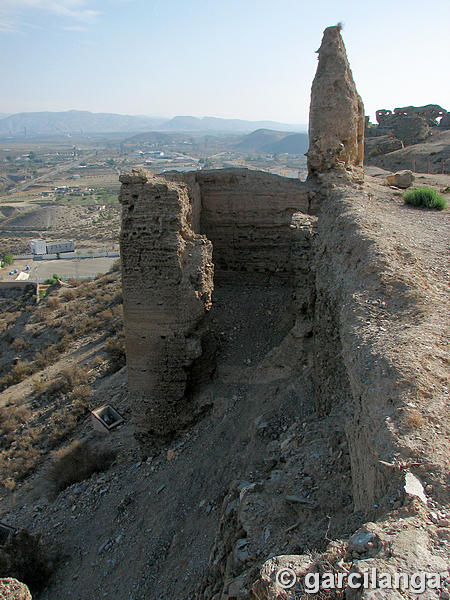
[{"x": 77, "y": 268}]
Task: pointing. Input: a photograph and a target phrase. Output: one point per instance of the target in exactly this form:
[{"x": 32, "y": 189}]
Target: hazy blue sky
[{"x": 246, "y": 59}]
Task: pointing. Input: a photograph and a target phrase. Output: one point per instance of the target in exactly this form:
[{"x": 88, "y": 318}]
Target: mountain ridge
[
  {"x": 189, "y": 123},
  {"x": 29, "y": 124},
  {"x": 73, "y": 121},
  {"x": 271, "y": 141}
]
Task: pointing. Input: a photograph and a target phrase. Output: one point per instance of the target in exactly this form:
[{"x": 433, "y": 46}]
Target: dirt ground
[{"x": 42, "y": 270}]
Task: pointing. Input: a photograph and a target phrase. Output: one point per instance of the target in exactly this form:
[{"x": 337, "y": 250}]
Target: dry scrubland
[
  {"x": 53, "y": 353},
  {"x": 88, "y": 226}
]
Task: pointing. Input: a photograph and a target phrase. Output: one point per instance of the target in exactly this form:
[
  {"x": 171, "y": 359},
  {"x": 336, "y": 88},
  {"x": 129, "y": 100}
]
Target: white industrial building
[
  {"x": 56, "y": 247},
  {"x": 40, "y": 246},
  {"x": 22, "y": 276}
]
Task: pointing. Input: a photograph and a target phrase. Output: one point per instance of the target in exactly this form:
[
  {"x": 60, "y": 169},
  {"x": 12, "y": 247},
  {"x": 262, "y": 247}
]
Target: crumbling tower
[
  {"x": 336, "y": 115},
  {"x": 167, "y": 281}
]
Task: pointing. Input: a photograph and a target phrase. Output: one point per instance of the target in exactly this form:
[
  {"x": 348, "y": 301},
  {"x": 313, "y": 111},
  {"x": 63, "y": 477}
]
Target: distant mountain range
[
  {"x": 216, "y": 124},
  {"x": 268, "y": 141},
  {"x": 264, "y": 141},
  {"x": 72, "y": 122},
  {"x": 84, "y": 122}
]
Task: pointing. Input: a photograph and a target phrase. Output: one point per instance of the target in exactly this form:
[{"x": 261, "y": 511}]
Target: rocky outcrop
[
  {"x": 380, "y": 144},
  {"x": 409, "y": 138},
  {"x": 429, "y": 113},
  {"x": 401, "y": 179},
  {"x": 376, "y": 549},
  {"x": 336, "y": 117},
  {"x": 167, "y": 275},
  {"x": 11, "y": 589},
  {"x": 430, "y": 156},
  {"x": 445, "y": 121},
  {"x": 409, "y": 125},
  {"x": 411, "y": 130}
]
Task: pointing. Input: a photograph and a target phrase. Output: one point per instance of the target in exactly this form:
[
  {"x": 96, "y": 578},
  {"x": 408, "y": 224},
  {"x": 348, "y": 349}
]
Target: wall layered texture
[{"x": 167, "y": 276}]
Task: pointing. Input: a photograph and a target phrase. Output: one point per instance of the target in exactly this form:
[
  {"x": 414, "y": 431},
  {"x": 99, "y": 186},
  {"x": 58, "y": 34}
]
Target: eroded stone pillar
[
  {"x": 336, "y": 115},
  {"x": 167, "y": 279}
]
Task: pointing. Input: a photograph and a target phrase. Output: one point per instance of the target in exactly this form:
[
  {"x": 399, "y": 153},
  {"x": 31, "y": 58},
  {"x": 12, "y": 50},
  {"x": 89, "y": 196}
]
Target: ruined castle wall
[
  {"x": 246, "y": 214},
  {"x": 195, "y": 199},
  {"x": 167, "y": 278},
  {"x": 354, "y": 376},
  {"x": 336, "y": 116},
  {"x": 173, "y": 229}
]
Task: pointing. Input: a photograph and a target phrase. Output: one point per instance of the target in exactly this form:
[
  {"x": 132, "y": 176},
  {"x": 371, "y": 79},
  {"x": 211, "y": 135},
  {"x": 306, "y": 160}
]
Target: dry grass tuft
[
  {"x": 26, "y": 437},
  {"x": 76, "y": 462},
  {"x": 414, "y": 419},
  {"x": 53, "y": 302},
  {"x": 115, "y": 349},
  {"x": 17, "y": 374}
]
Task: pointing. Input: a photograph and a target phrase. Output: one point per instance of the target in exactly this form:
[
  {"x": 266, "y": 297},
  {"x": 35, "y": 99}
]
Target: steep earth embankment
[
  {"x": 429, "y": 156},
  {"x": 380, "y": 333}
]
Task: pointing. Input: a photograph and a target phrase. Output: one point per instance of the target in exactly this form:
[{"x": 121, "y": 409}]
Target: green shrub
[
  {"x": 53, "y": 280},
  {"x": 8, "y": 259},
  {"x": 426, "y": 197},
  {"x": 76, "y": 462}
]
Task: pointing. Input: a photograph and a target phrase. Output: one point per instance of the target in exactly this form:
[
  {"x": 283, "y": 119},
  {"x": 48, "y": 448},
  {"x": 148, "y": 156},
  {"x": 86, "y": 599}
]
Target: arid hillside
[
  {"x": 88, "y": 226},
  {"x": 429, "y": 156},
  {"x": 258, "y": 461}
]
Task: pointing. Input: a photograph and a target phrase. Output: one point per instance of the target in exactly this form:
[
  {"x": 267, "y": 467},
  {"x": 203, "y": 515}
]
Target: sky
[{"x": 249, "y": 59}]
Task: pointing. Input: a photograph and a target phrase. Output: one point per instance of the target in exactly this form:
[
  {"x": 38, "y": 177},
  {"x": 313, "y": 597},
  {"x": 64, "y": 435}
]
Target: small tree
[
  {"x": 8, "y": 259},
  {"x": 53, "y": 280}
]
